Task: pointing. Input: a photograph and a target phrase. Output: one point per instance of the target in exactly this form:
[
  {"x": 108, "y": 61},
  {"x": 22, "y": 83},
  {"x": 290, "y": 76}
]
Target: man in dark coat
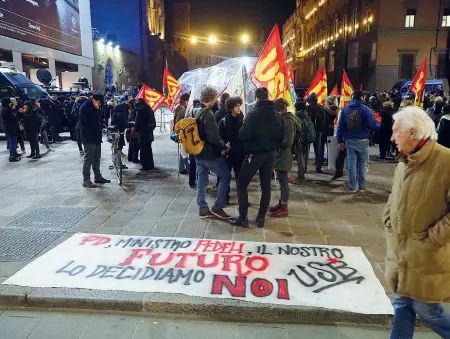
[
  {"x": 11, "y": 127},
  {"x": 55, "y": 119},
  {"x": 317, "y": 114},
  {"x": 229, "y": 128},
  {"x": 32, "y": 126},
  {"x": 262, "y": 133},
  {"x": 145, "y": 125},
  {"x": 222, "y": 112},
  {"x": 91, "y": 137}
]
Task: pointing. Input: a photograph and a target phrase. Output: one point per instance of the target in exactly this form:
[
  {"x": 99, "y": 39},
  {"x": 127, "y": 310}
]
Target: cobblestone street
[{"x": 160, "y": 204}]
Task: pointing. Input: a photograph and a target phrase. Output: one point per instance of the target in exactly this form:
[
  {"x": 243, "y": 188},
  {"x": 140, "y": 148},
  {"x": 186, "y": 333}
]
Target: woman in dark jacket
[
  {"x": 385, "y": 132},
  {"x": 32, "y": 126},
  {"x": 144, "y": 125},
  {"x": 120, "y": 120}
]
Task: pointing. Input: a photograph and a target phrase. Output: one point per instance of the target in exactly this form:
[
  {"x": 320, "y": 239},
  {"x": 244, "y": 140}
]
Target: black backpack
[{"x": 354, "y": 121}]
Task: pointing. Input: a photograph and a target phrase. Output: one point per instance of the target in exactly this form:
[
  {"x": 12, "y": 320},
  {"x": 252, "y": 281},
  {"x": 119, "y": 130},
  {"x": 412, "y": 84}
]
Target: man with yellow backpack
[{"x": 199, "y": 137}]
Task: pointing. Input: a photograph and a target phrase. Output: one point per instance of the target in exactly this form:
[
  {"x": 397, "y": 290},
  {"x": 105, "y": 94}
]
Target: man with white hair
[{"x": 417, "y": 226}]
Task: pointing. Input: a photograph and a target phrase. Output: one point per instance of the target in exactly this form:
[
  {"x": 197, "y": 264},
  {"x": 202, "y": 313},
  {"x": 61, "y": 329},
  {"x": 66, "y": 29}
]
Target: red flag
[
  {"x": 270, "y": 70},
  {"x": 346, "y": 90},
  {"x": 319, "y": 85},
  {"x": 291, "y": 73},
  {"x": 334, "y": 92},
  {"x": 151, "y": 97},
  {"x": 418, "y": 85},
  {"x": 172, "y": 88}
]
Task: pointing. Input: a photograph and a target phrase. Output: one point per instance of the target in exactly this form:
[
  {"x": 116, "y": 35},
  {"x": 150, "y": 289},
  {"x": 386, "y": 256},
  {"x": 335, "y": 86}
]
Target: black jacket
[
  {"x": 220, "y": 114},
  {"x": 444, "y": 131},
  {"x": 76, "y": 109},
  {"x": 9, "y": 122},
  {"x": 68, "y": 106},
  {"x": 145, "y": 124},
  {"x": 330, "y": 115},
  {"x": 120, "y": 116},
  {"x": 263, "y": 128},
  {"x": 207, "y": 129},
  {"x": 90, "y": 124},
  {"x": 317, "y": 114},
  {"x": 386, "y": 120},
  {"x": 31, "y": 121},
  {"x": 229, "y": 128}
]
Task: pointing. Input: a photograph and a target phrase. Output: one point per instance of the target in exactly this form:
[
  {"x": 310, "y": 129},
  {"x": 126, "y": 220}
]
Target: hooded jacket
[
  {"x": 330, "y": 115},
  {"x": 32, "y": 121},
  {"x": 284, "y": 158},
  {"x": 145, "y": 124},
  {"x": 443, "y": 131},
  {"x": 229, "y": 128},
  {"x": 417, "y": 220},
  {"x": 368, "y": 122},
  {"x": 221, "y": 113},
  {"x": 76, "y": 108},
  {"x": 90, "y": 124},
  {"x": 263, "y": 128},
  {"x": 317, "y": 114},
  {"x": 9, "y": 121},
  {"x": 120, "y": 116}
]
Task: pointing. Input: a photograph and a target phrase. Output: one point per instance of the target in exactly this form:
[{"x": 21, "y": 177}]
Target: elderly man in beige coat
[{"x": 417, "y": 221}]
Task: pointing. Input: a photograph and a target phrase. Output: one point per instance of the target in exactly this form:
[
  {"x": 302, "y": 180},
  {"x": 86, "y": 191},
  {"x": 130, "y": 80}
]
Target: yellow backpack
[{"x": 187, "y": 130}]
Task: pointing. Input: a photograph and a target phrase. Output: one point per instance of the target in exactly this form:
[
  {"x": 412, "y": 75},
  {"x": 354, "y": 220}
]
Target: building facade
[
  {"x": 378, "y": 42},
  {"x": 181, "y": 27},
  {"x": 114, "y": 66}
]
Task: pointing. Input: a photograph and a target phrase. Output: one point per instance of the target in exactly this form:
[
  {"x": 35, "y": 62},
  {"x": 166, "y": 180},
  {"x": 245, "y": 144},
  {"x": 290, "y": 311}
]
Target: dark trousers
[
  {"x": 302, "y": 161},
  {"x": 55, "y": 132},
  {"x": 192, "y": 171},
  {"x": 317, "y": 152},
  {"x": 133, "y": 152},
  {"x": 34, "y": 142},
  {"x": 340, "y": 161},
  {"x": 80, "y": 147},
  {"x": 385, "y": 145},
  {"x": 234, "y": 163},
  {"x": 20, "y": 140},
  {"x": 323, "y": 143},
  {"x": 147, "y": 156},
  {"x": 92, "y": 155},
  {"x": 262, "y": 162}
]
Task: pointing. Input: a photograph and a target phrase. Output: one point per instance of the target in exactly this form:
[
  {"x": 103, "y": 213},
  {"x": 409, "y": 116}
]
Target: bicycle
[{"x": 113, "y": 138}]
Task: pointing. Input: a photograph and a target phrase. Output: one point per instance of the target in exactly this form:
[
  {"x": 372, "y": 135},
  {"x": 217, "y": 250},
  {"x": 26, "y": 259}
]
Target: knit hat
[
  {"x": 438, "y": 99},
  {"x": 330, "y": 100},
  {"x": 6, "y": 102}
]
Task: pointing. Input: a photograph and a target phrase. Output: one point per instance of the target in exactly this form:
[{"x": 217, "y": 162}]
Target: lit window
[
  {"x": 446, "y": 18},
  {"x": 410, "y": 18}
]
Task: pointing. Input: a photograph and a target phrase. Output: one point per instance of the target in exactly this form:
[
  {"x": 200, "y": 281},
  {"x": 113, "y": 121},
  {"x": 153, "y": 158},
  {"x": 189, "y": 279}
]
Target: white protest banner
[{"x": 334, "y": 277}]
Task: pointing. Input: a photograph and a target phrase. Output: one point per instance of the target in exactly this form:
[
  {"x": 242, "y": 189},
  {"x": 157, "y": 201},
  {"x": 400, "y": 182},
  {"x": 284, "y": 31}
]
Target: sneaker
[
  {"x": 337, "y": 175},
  {"x": 298, "y": 181},
  {"x": 347, "y": 189},
  {"x": 37, "y": 156},
  {"x": 194, "y": 187},
  {"x": 23, "y": 152},
  {"x": 124, "y": 166},
  {"x": 81, "y": 152},
  {"x": 362, "y": 190},
  {"x": 136, "y": 161},
  {"x": 205, "y": 213},
  {"x": 102, "y": 180},
  {"x": 239, "y": 222},
  {"x": 280, "y": 212},
  {"x": 275, "y": 208},
  {"x": 184, "y": 172},
  {"x": 30, "y": 156},
  {"x": 89, "y": 184},
  {"x": 319, "y": 171},
  {"x": 14, "y": 159},
  {"x": 220, "y": 213}
]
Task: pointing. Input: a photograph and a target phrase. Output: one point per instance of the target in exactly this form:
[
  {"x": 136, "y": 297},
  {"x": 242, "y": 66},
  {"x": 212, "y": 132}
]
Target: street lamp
[
  {"x": 194, "y": 40},
  {"x": 212, "y": 39},
  {"x": 102, "y": 40},
  {"x": 110, "y": 43},
  {"x": 244, "y": 38}
]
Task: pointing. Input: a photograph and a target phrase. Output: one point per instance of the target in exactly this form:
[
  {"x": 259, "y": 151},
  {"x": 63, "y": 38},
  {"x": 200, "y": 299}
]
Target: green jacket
[{"x": 283, "y": 158}]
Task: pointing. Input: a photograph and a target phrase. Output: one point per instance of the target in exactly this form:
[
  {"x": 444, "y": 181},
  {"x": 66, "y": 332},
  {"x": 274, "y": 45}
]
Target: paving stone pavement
[
  {"x": 161, "y": 204},
  {"x": 19, "y": 324}
]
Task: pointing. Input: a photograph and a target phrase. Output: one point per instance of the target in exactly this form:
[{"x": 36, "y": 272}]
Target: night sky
[{"x": 232, "y": 17}]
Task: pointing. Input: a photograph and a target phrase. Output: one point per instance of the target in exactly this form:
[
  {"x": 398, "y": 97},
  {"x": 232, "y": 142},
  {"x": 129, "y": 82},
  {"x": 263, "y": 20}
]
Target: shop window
[{"x": 198, "y": 60}]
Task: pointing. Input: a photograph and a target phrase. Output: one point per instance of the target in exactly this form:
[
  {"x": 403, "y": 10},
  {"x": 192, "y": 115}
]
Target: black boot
[
  {"x": 260, "y": 221},
  {"x": 239, "y": 222},
  {"x": 337, "y": 175}
]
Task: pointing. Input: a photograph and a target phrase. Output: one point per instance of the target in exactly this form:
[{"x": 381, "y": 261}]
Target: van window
[
  {"x": 7, "y": 92},
  {"x": 429, "y": 88},
  {"x": 32, "y": 91}
]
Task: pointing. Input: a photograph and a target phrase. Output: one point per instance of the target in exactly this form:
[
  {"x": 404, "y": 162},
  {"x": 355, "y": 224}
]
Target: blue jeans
[
  {"x": 405, "y": 312},
  {"x": 357, "y": 153},
  {"x": 218, "y": 167},
  {"x": 12, "y": 142}
]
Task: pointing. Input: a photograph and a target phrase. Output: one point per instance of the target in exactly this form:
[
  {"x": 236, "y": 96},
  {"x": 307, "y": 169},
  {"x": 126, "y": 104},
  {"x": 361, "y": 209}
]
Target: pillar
[
  {"x": 52, "y": 67},
  {"x": 17, "y": 61}
]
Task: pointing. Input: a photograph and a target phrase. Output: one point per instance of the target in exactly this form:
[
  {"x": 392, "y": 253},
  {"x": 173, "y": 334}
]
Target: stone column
[{"x": 17, "y": 61}]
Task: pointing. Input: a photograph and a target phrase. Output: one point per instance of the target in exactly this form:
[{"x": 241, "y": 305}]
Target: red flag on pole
[
  {"x": 418, "y": 85},
  {"x": 346, "y": 90},
  {"x": 152, "y": 97},
  {"x": 172, "y": 89}
]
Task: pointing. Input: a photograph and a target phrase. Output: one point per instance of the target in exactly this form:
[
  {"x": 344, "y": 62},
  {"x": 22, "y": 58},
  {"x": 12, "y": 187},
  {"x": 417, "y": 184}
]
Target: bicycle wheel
[{"x": 119, "y": 169}]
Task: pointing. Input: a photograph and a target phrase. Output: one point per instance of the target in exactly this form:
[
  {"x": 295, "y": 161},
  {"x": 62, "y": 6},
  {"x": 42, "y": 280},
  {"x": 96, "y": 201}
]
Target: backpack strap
[{"x": 203, "y": 110}]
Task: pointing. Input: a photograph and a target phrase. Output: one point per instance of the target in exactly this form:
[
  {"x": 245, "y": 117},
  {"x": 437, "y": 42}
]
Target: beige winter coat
[{"x": 417, "y": 221}]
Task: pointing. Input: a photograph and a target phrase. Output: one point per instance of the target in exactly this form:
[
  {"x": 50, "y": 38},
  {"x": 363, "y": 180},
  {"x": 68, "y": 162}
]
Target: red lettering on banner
[
  {"x": 236, "y": 290},
  {"x": 219, "y": 246},
  {"x": 283, "y": 290},
  {"x": 137, "y": 253},
  {"x": 261, "y": 288},
  {"x": 251, "y": 261},
  {"x": 96, "y": 240},
  {"x": 184, "y": 257},
  {"x": 154, "y": 260},
  {"x": 203, "y": 264},
  {"x": 236, "y": 260}
]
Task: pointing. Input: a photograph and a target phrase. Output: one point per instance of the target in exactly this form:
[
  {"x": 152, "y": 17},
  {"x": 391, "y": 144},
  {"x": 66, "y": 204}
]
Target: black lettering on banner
[
  {"x": 111, "y": 271},
  {"x": 333, "y": 275},
  {"x": 337, "y": 253},
  {"x": 199, "y": 276},
  {"x": 305, "y": 251},
  {"x": 149, "y": 272},
  {"x": 98, "y": 270},
  {"x": 263, "y": 250},
  {"x": 122, "y": 275},
  {"x": 72, "y": 271}
]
